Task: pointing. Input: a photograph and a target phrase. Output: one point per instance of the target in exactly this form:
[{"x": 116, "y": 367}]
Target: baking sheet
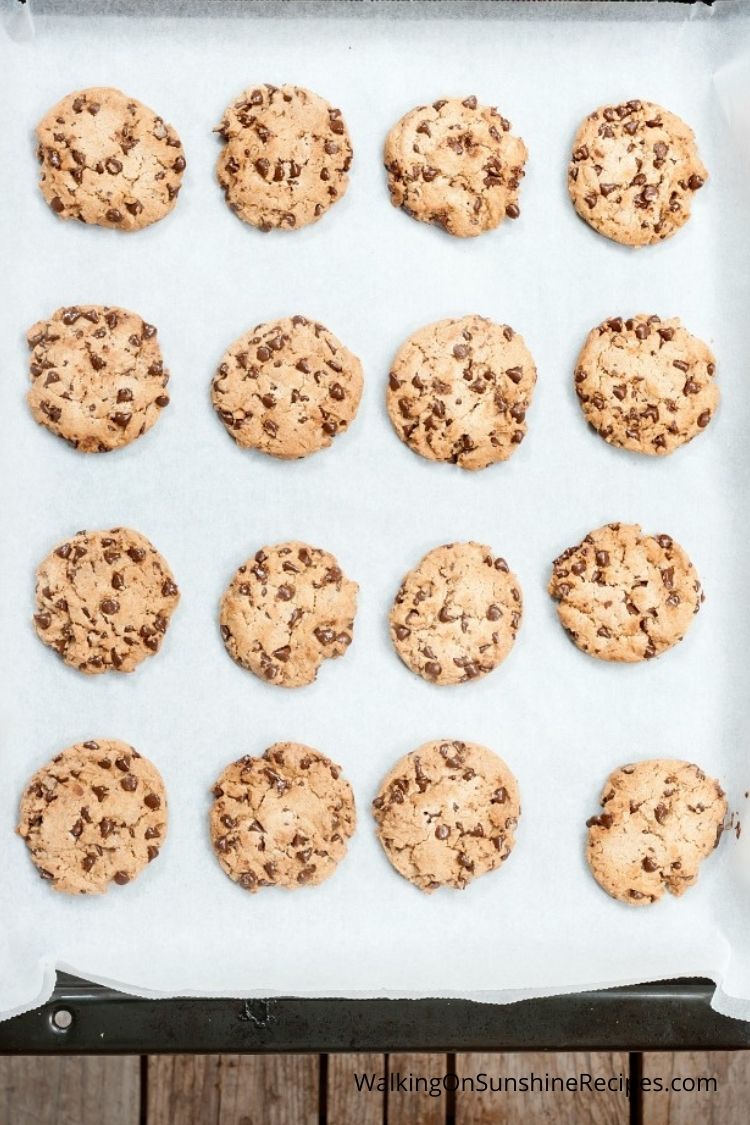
[{"x": 560, "y": 719}]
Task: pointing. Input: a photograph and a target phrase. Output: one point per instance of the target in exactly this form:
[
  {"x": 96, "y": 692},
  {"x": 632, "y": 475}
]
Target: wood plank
[
  {"x": 233, "y": 1090},
  {"x": 416, "y": 1106},
  {"x": 72, "y": 1090},
  {"x": 566, "y": 1107},
  {"x": 725, "y": 1105},
  {"x": 347, "y": 1104}
]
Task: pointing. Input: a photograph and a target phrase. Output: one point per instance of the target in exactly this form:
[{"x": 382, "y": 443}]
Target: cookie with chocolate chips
[
  {"x": 459, "y": 391},
  {"x": 286, "y": 157},
  {"x": 95, "y": 815},
  {"x": 104, "y": 600},
  {"x": 287, "y": 388},
  {"x": 646, "y": 384},
  {"x": 660, "y": 820},
  {"x": 634, "y": 172},
  {"x": 625, "y": 596},
  {"x": 98, "y": 379},
  {"x": 456, "y": 164},
  {"x": 287, "y": 609},
  {"x": 456, "y": 614},
  {"x": 283, "y": 819},
  {"x": 109, "y": 160},
  {"x": 447, "y": 813}
]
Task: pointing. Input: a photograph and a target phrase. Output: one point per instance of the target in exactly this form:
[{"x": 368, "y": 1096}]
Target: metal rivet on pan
[{"x": 61, "y": 1019}]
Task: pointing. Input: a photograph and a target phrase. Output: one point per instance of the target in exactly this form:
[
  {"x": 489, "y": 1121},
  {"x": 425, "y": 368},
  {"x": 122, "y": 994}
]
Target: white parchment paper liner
[{"x": 563, "y": 721}]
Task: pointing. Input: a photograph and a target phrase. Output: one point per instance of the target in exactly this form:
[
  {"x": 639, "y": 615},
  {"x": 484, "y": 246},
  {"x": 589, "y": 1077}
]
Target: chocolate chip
[{"x": 604, "y": 820}]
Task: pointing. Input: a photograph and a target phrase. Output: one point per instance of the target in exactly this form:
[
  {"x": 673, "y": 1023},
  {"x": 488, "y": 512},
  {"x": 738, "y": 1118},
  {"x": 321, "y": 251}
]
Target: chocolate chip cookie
[
  {"x": 287, "y": 609},
  {"x": 97, "y": 376},
  {"x": 459, "y": 391},
  {"x": 283, "y": 819},
  {"x": 96, "y": 814},
  {"x": 455, "y": 163},
  {"x": 634, "y": 171},
  {"x": 447, "y": 813},
  {"x": 104, "y": 600},
  {"x": 623, "y": 595},
  {"x": 457, "y": 613},
  {"x": 646, "y": 384},
  {"x": 286, "y": 158},
  {"x": 287, "y": 388},
  {"x": 108, "y": 160},
  {"x": 661, "y": 819}
]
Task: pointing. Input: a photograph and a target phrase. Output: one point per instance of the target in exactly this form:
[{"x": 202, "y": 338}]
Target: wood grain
[
  {"x": 561, "y": 1107},
  {"x": 726, "y": 1105},
  {"x": 416, "y": 1107},
  {"x": 347, "y": 1105},
  {"x": 233, "y": 1090},
  {"x": 69, "y": 1091}
]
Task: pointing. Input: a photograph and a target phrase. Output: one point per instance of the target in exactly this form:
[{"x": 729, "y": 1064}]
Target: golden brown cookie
[
  {"x": 95, "y": 815},
  {"x": 457, "y": 613},
  {"x": 661, "y": 819},
  {"x": 286, "y": 158},
  {"x": 104, "y": 600},
  {"x": 287, "y": 609},
  {"x": 459, "y": 391},
  {"x": 97, "y": 376},
  {"x": 623, "y": 595},
  {"x": 447, "y": 813},
  {"x": 646, "y": 384},
  {"x": 455, "y": 163},
  {"x": 287, "y": 388},
  {"x": 108, "y": 160},
  {"x": 283, "y": 819},
  {"x": 634, "y": 171}
]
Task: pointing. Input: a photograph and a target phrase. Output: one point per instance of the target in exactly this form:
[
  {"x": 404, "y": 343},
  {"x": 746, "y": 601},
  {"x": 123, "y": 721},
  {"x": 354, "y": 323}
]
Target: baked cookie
[
  {"x": 286, "y": 158},
  {"x": 108, "y": 160},
  {"x": 459, "y": 391},
  {"x": 97, "y": 376},
  {"x": 661, "y": 819},
  {"x": 646, "y": 384},
  {"x": 104, "y": 600},
  {"x": 447, "y": 813},
  {"x": 633, "y": 173},
  {"x": 457, "y": 613},
  {"x": 455, "y": 163},
  {"x": 623, "y": 595},
  {"x": 282, "y": 820},
  {"x": 287, "y": 609},
  {"x": 96, "y": 814},
  {"x": 287, "y": 388}
]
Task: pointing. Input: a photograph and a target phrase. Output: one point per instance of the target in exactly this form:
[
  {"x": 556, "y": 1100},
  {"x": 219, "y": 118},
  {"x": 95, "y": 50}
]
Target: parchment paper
[{"x": 561, "y": 719}]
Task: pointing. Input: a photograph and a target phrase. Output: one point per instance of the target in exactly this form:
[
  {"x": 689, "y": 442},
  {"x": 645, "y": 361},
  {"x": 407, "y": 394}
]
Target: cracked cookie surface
[
  {"x": 459, "y": 391},
  {"x": 456, "y": 614},
  {"x": 104, "y": 600},
  {"x": 634, "y": 171},
  {"x": 646, "y": 384},
  {"x": 283, "y": 819},
  {"x": 97, "y": 376},
  {"x": 286, "y": 158},
  {"x": 287, "y": 609},
  {"x": 96, "y": 814},
  {"x": 661, "y": 819},
  {"x": 109, "y": 160},
  {"x": 456, "y": 164},
  {"x": 623, "y": 595},
  {"x": 287, "y": 388},
  {"x": 447, "y": 813}
]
